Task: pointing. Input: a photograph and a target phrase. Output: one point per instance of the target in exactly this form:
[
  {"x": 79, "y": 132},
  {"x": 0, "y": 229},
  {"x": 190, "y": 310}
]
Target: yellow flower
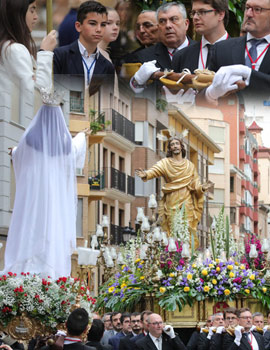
[
  {"x": 247, "y": 291},
  {"x": 136, "y": 261},
  {"x": 162, "y": 289},
  {"x": 123, "y": 266},
  {"x": 211, "y": 266},
  {"x": 227, "y": 292},
  {"x": 142, "y": 278},
  {"x": 204, "y": 272},
  {"x": 137, "y": 288},
  {"x": 252, "y": 277},
  {"x": 214, "y": 281},
  {"x": 206, "y": 289},
  {"x": 142, "y": 262},
  {"x": 189, "y": 276},
  {"x": 123, "y": 285},
  {"x": 236, "y": 263},
  {"x": 230, "y": 267},
  {"x": 194, "y": 265},
  {"x": 217, "y": 261},
  {"x": 186, "y": 289},
  {"x": 171, "y": 274},
  {"x": 218, "y": 269},
  {"x": 242, "y": 267},
  {"x": 111, "y": 289},
  {"x": 264, "y": 289},
  {"x": 231, "y": 274}
]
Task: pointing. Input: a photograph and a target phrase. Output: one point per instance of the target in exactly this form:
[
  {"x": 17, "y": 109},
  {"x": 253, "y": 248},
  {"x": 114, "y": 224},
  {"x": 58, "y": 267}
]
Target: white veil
[{"x": 42, "y": 233}]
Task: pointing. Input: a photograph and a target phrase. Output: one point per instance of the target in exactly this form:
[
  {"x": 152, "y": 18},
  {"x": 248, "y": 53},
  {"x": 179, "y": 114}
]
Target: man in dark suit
[
  {"x": 160, "y": 337},
  {"x": 245, "y": 58},
  {"x": 172, "y": 25},
  {"x": 82, "y": 57},
  {"x": 209, "y": 20},
  {"x": 126, "y": 330},
  {"x": 244, "y": 339},
  {"x": 136, "y": 329},
  {"x": 117, "y": 327}
]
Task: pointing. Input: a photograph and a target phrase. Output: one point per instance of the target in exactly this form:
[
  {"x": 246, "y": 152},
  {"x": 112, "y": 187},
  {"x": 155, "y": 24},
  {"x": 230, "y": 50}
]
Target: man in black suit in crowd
[
  {"x": 82, "y": 57},
  {"x": 117, "y": 327},
  {"x": 245, "y": 58},
  {"x": 136, "y": 329},
  {"x": 244, "y": 338},
  {"x": 172, "y": 25},
  {"x": 126, "y": 330},
  {"x": 205, "y": 338},
  {"x": 209, "y": 19},
  {"x": 159, "y": 337}
]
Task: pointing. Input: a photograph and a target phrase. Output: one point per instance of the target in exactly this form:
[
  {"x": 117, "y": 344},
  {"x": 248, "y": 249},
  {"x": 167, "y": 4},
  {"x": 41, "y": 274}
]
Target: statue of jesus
[{"x": 182, "y": 186}]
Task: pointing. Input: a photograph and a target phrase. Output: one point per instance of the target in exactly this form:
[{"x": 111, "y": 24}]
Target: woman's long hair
[{"x": 13, "y": 25}]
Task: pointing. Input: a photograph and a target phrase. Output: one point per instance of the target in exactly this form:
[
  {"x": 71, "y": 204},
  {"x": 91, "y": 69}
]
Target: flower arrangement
[
  {"x": 45, "y": 300},
  {"x": 259, "y": 262}
]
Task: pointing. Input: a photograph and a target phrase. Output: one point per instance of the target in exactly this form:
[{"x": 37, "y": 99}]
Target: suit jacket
[
  {"x": 125, "y": 342},
  {"x": 232, "y": 51},
  {"x": 74, "y": 346},
  {"x": 137, "y": 338},
  {"x": 216, "y": 341},
  {"x": 115, "y": 340},
  {"x": 193, "y": 341},
  {"x": 266, "y": 337},
  {"x": 106, "y": 336},
  {"x": 157, "y": 52},
  {"x": 68, "y": 60},
  {"x": 187, "y": 58},
  {"x": 203, "y": 341},
  {"x": 147, "y": 343},
  {"x": 229, "y": 344}
]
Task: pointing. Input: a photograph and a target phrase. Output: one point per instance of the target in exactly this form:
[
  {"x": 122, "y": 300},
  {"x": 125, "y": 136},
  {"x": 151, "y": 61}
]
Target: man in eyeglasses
[
  {"x": 209, "y": 19},
  {"x": 146, "y": 28},
  {"x": 246, "y": 58},
  {"x": 136, "y": 329},
  {"x": 231, "y": 320},
  {"x": 244, "y": 338},
  {"x": 160, "y": 336}
]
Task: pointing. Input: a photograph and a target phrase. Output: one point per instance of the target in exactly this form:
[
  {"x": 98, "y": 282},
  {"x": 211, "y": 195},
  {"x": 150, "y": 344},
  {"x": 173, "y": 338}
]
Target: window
[
  {"x": 79, "y": 220},
  {"x": 231, "y": 184},
  {"x": 218, "y": 167},
  {"x": 233, "y": 215},
  {"x": 218, "y": 196},
  {"x": 76, "y": 101},
  {"x": 151, "y": 137},
  {"x": 248, "y": 198},
  {"x": 248, "y": 171},
  {"x": 139, "y": 133},
  {"x": 217, "y": 134}
]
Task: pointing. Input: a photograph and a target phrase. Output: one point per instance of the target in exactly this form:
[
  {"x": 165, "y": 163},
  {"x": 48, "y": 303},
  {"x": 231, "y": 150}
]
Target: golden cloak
[{"x": 182, "y": 186}]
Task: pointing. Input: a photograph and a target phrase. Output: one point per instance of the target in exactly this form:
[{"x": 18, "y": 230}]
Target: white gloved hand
[
  {"x": 209, "y": 336},
  {"x": 253, "y": 327},
  {"x": 237, "y": 69},
  {"x": 145, "y": 72},
  {"x": 169, "y": 331},
  {"x": 219, "y": 88},
  {"x": 220, "y": 329},
  {"x": 238, "y": 333}
]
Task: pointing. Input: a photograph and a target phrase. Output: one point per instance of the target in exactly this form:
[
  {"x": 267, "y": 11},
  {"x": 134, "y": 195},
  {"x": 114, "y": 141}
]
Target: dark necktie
[
  {"x": 209, "y": 54},
  {"x": 253, "y": 51}
]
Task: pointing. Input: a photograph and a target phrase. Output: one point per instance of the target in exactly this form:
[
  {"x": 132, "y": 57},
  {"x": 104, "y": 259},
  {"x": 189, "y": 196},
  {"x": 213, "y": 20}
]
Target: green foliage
[{"x": 97, "y": 121}]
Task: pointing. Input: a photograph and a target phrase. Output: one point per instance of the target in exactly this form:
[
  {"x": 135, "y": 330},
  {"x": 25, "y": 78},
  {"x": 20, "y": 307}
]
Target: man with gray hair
[
  {"x": 217, "y": 324},
  {"x": 258, "y": 320},
  {"x": 172, "y": 28},
  {"x": 146, "y": 28}
]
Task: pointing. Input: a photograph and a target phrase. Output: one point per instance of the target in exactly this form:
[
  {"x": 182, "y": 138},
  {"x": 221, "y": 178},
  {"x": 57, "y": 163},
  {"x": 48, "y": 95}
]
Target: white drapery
[{"x": 42, "y": 233}]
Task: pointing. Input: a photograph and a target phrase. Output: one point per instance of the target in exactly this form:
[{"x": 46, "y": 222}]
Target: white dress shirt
[
  {"x": 89, "y": 61},
  {"x": 260, "y": 48}
]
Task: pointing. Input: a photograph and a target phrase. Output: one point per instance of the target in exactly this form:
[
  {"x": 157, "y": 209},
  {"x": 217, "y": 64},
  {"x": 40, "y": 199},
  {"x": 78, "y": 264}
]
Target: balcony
[
  {"x": 242, "y": 127},
  {"x": 121, "y": 131},
  {"x": 116, "y": 235},
  {"x": 116, "y": 184}
]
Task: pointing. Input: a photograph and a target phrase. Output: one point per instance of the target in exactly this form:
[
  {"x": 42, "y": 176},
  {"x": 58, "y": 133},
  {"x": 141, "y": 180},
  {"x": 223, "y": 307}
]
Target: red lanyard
[
  {"x": 201, "y": 52},
  {"x": 253, "y": 63},
  {"x": 250, "y": 341}
]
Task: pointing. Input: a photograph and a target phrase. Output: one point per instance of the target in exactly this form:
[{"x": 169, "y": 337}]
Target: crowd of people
[{"x": 231, "y": 329}]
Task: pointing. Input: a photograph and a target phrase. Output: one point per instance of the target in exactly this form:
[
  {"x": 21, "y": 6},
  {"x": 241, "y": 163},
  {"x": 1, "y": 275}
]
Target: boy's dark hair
[
  {"x": 90, "y": 6},
  {"x": 96, "y": 331},
  {"x": 124, "y": 316},
  {"x": 218, "y": 5},
  {"x": 77, "y": 321}
]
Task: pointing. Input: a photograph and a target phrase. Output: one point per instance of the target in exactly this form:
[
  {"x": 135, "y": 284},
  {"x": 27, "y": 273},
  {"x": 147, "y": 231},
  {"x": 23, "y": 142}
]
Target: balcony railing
[{"x": 112, "y": 178}]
